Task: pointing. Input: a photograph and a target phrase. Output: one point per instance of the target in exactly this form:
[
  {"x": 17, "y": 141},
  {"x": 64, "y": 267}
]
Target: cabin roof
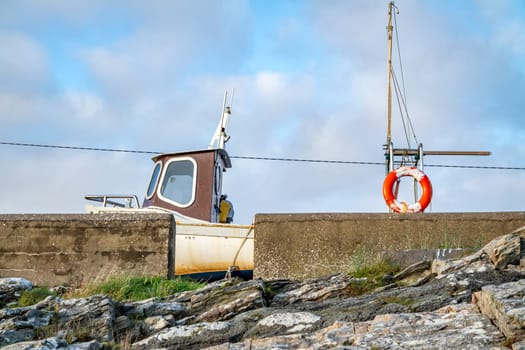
[{"x": 222, "y": 152}]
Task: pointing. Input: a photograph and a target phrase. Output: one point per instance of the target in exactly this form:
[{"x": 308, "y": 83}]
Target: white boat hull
[
  {"x": 204, "y": 249},
  {"x": 213, "y": 248}
]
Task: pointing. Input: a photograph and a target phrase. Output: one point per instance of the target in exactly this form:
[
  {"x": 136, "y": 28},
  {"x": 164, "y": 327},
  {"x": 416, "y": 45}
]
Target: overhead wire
[
  {"x": 76, "y": 148},
  {"x": 281, "y": 159}
]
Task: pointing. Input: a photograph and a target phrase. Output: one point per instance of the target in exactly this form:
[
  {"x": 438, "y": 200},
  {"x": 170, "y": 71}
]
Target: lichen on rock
[{"x": 475, "y": 302}]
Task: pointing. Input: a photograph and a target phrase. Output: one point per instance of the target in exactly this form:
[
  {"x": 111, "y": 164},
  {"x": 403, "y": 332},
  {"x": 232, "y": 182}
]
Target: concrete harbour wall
[
  {"x": 298, "y": 246},
  {"x": 75, "y": 249}
]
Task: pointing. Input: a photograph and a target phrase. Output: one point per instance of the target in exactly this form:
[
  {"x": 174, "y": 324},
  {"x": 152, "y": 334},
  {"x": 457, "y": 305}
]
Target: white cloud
[
  {"x": 57, "y": 180},
  {"x": 17, "y": 108},
  {"x": 84, "y": 105},
  {"x": 38, "y": 14},
  {"x": 23, "y": 63},
  {"x": 158, "y": 85}
]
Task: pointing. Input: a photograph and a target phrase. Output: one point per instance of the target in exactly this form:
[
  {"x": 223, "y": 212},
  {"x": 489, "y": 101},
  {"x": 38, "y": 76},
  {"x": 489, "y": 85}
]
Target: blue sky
[{"x": 309, "y": 80}]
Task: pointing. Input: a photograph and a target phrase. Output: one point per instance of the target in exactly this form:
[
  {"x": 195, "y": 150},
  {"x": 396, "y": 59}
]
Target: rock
[
  {"x": 505, "y": 305},
  {"x": 442, "y": 267},
  {"x": 427, "y": 297},
  {"x": 86, "y": 318},
  {"x": 127, "y": 330},
  {"x": 91, "y": 345},
  {"x": 11, "y": 288},
  {"x": 504, "y": 250},
  {"x": 157, "y": 323},
  {"x": 22, "y": 324},
  {"x": 415, "y": 275},
  {"x": 418, "y": 309},
  {"x": 222, "y": 300},
  {"x": 54, "y": 344},
  {"x": 314, "y": 289},
  {"x": 416, "y": 268},
  {"x": 46, "y": 344},
  {"x": 153, "y": 307},
  {"x": 13, "y": 336},
  {"x": 519, "y": 345},
  {"x": 284, "y": 323},
  {"x": 189, "y": 336},
  {"x": 452, "y": 327}
]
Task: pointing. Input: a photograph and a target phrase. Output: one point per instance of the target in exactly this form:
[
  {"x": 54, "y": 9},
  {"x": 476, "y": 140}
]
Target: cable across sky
[{"x": 281, "y": 159}]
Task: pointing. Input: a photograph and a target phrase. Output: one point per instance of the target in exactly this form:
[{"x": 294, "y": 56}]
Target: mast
[
  {"x": 407, "y": 157},
  {"x": 220, "y": 137},
  {"x": 389, "y": 157},
  {"x": 390, "y": 151},
  {"x": 389, "y": 106}
]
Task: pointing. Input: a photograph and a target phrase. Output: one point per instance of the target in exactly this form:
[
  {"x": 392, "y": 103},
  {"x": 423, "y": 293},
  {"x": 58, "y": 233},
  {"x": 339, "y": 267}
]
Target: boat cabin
[{"x": 189, "y": 183}]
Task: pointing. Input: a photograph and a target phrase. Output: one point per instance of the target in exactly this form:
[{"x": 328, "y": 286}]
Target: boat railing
[{"x": 115, "y": 200}]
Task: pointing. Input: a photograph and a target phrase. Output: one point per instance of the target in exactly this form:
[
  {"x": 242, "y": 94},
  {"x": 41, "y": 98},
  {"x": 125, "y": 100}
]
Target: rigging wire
[
  {"x": 398, "y": 93},
  {"x": 299, "y": 160},
  {"x": 399, "y": 57},
  {"x": 402, "y": 93}
]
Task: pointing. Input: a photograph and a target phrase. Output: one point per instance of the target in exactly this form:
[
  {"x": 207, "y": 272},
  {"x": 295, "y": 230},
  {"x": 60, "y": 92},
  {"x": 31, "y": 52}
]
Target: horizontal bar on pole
[{"x": 413, "y": 152}]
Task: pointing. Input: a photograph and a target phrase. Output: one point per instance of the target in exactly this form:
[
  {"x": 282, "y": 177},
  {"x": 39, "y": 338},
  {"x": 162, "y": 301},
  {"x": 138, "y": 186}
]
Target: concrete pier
[
  {"x": 76, "y": 249},
  {"x": 298, "y": 246}
]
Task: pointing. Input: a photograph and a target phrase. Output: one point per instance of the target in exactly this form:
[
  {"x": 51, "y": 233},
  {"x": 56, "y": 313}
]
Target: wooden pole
[{"x": 389, "y": 103}]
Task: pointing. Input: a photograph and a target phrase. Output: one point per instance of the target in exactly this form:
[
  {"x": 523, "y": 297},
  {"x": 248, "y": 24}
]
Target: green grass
[
  {"x": 33, "y": 296},
  {"x": 126, "y": 288},
  {"x": 139, "y": 288},
  {"x": 376, "y": 270},
  {"x": 370, "y": 275}
]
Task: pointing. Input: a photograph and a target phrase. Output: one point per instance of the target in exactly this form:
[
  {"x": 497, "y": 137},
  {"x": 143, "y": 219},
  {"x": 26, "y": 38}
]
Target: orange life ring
[{"x": 403, "y": 207}]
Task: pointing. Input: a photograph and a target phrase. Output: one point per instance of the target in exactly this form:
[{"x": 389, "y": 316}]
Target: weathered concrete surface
[
  {"x": 298, "y": 246},
  {"x": 74, "y": 249}
]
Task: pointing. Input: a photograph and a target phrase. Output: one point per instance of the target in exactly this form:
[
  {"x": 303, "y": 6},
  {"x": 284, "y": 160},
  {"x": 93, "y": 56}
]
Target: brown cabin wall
[{"x": 202, "y": 206}]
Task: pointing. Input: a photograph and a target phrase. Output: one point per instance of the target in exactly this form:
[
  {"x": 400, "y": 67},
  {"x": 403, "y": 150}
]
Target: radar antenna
[{"x": 220, "y": 137}]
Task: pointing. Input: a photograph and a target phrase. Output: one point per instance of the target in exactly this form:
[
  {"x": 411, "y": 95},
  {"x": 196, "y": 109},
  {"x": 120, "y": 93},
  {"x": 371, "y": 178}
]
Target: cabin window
[
  {"x": 178, "y": 182},
  {"x": 154, "y": 180},
  {"x": 218, "y": 178}
]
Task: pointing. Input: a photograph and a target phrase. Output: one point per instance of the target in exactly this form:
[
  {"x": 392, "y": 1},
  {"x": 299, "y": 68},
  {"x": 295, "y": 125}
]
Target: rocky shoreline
[{"x": 476, "y": 302}]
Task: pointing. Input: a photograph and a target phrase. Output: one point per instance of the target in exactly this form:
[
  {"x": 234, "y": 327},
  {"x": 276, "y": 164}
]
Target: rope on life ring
[{"x": 402, "y": 207}]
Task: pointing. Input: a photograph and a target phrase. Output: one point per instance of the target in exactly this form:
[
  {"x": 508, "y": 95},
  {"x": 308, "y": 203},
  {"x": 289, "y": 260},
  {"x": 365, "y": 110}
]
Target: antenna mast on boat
[
  {"x": 220, "y": 137},
  {"x": 411, "y": 159}
]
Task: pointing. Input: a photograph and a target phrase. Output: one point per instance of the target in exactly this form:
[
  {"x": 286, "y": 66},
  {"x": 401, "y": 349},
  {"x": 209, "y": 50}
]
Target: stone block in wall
[{"x": 75, "y": 249}]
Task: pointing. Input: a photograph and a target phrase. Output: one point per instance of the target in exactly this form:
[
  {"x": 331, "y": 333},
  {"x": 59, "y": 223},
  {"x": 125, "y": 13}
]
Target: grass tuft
[
  {"x": 376, "y": 270},
  {"x": 139, "y": 288},
  {"x": 369, "y": 276},
  {"x": 33, "y": 296}
]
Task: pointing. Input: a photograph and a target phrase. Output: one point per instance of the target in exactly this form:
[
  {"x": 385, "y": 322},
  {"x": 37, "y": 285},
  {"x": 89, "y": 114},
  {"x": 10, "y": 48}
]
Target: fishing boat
[{"x": 188, "y": 185}]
